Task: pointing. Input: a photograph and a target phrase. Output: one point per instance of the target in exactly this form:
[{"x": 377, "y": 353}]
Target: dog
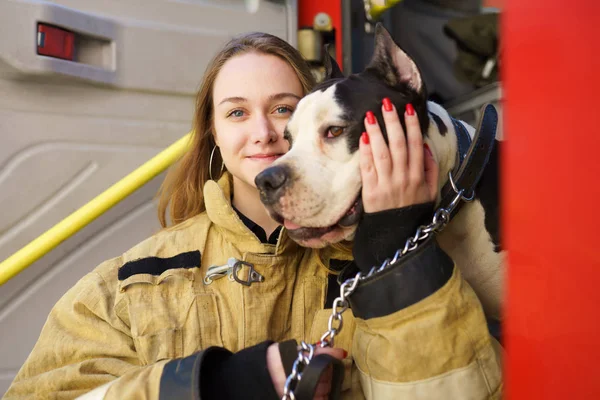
[{"x": 314, "y": 189}]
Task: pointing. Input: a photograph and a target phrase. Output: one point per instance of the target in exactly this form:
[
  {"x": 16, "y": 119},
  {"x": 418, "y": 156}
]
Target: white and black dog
[{"x": 314, "y": 189}]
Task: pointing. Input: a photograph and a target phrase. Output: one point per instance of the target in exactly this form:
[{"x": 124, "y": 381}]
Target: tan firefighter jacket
[{"x": 113, "y": 333}]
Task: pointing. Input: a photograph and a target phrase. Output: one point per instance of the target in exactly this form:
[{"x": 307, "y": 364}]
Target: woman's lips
[{"x": 265, "y": 157}]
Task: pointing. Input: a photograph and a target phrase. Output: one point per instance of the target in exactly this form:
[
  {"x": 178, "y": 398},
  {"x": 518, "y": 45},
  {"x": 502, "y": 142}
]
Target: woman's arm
[
  {"x": 84, "y": 346},
  {"x": 421, "y": 332},
  {"x": 86, "y": 350}
]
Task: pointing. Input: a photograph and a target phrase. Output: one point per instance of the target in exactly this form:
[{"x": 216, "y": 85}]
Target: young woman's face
[{"x": 254, "y": 95}]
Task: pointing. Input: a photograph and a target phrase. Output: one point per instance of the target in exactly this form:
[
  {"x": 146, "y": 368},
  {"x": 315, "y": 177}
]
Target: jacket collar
[{"x": 217, "y": 197}]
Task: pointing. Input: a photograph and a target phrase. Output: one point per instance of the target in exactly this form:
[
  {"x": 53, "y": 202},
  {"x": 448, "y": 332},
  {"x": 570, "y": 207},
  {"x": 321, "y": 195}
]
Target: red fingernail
[
  {"x": 410, "y": 110},
  {"x": 426, "y": 146},
  {"x": 387, "y": 104},
  {"x": 365, "y": 137},
  {"x": 345, "y": 353},
  {"x": 370, "y": 118},
  {"x": 318, "y": 344}
]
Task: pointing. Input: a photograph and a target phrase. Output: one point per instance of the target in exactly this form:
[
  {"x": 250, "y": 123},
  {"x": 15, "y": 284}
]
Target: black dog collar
[
  {"x": 473, "y": 156},
  {"x": 463, "y": 142}
]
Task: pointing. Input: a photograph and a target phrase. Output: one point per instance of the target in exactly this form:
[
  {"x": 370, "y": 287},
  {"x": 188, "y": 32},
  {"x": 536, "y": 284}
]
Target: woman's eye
[
  {"x": 236, "y": 113},
  {"x": 334, "y": 131},
  {"x": 283, "y": 110}
]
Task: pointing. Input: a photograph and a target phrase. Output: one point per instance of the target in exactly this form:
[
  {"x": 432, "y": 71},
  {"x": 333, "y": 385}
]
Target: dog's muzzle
[{"x": 272, "y": 183}]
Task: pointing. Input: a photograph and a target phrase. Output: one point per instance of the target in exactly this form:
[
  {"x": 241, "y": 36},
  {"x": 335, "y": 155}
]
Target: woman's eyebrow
[
  {"x": 279, "y": 96},
  {"x": 235, "y": 99},
  {"x": 273, "y": 97}
]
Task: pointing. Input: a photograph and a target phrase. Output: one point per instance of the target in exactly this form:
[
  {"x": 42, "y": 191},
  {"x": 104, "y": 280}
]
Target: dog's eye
[{"x": 334, "y": 131}]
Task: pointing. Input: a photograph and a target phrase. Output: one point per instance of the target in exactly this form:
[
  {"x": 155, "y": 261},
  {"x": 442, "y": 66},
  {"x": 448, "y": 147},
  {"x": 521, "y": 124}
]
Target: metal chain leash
[{"x": 306, "y": 351}]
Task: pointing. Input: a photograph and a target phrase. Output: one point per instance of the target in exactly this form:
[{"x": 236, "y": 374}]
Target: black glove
[
  {"x": 243, "y": 375},
  {"x": 379, "y": 235}
]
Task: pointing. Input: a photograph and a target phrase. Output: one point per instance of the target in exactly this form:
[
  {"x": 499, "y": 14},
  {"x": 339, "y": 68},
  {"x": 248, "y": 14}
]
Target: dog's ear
[
  {"x": 391, "y": 63},
  {"x": 332, "y": 69}
]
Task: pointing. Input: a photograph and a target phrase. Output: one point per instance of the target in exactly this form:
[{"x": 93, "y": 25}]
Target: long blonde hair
[{"x": 181, "y": 194}]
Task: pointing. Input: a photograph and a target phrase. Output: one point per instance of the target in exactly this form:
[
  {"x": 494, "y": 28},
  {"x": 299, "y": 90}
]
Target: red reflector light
[{"x": 55, "y": 42}]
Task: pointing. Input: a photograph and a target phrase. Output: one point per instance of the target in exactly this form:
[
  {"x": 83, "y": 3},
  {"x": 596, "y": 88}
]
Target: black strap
[
  {"x": 463, "y": 142},
  {"x": 288, "y": 351},
  {"x": 468, "y": 173},
  {"x": 312, "y": 374}
]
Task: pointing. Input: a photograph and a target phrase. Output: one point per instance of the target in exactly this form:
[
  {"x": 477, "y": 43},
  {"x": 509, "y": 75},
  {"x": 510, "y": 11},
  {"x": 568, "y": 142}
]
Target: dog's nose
[{"x": 271, "y": 181}]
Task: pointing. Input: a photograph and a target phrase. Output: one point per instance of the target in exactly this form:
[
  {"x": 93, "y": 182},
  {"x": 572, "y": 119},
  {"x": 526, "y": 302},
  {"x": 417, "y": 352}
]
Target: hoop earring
[{"x": 210, "y": 162}]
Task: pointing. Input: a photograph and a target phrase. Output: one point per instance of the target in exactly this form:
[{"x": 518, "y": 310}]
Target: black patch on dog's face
[
  {"x": 364, "y": 92},
  {"x": 488, "y": 191},
  {"x": 442, "y": 128},
  {"x": 288, "y": 136},
  {"x": 390, "y": 73}
]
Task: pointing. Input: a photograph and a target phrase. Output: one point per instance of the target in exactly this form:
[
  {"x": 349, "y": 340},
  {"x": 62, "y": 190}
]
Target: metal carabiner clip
[{"x": 220, "y": 271}]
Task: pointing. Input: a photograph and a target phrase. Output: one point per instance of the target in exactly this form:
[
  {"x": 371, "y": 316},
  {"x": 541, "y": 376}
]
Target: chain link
[{"x": 440, "y": 219}]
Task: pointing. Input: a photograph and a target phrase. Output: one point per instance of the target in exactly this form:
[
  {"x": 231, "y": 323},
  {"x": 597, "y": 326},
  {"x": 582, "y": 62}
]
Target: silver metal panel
[{"x": 69, "y": 130}]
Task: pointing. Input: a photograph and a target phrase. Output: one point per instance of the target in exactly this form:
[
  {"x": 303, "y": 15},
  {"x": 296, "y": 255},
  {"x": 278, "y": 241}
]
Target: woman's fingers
[
  {"x": 395, "y": 134},
  {"x": 336, "y": 352},
  {"x": 368, "y": 173},
  {"x": 277, "y": 372},
  {"x": 414, "y": 138},
  {"x": 400, "y": 172},
  {"x": 324, "y": 386},
  {"x": 381, "y": 154}
]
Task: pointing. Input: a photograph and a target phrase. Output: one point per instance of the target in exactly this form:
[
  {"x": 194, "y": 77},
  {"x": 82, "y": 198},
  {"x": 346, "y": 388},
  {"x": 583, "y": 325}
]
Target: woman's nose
[{"x": 263, "y": 130}]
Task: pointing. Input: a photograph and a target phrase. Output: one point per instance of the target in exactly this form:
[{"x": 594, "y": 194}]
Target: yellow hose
[{"x": 92, "y": 210}]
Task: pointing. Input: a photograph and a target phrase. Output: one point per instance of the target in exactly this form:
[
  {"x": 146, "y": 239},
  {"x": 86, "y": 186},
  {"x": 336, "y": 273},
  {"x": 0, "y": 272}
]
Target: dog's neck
[{"x": 443, "y": 143}]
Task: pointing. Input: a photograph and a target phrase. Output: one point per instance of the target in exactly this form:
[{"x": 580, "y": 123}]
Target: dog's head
[{"x": 314, "y": 189}]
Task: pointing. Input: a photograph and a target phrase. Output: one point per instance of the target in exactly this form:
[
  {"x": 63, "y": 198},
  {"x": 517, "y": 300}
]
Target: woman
[{"x": 161, "y": 321}]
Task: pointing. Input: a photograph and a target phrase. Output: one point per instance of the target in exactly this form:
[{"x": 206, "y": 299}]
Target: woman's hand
[
  {"x": 277, "y": 371},
  {"x": 402, "y": 173}
]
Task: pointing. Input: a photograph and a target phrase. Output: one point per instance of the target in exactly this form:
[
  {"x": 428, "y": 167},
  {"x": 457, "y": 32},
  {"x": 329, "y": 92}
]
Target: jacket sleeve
[
  {"x": 84, "y": 347},
  {"x": 421, "y": 332},
  {"x": 85, "y": 351}
]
